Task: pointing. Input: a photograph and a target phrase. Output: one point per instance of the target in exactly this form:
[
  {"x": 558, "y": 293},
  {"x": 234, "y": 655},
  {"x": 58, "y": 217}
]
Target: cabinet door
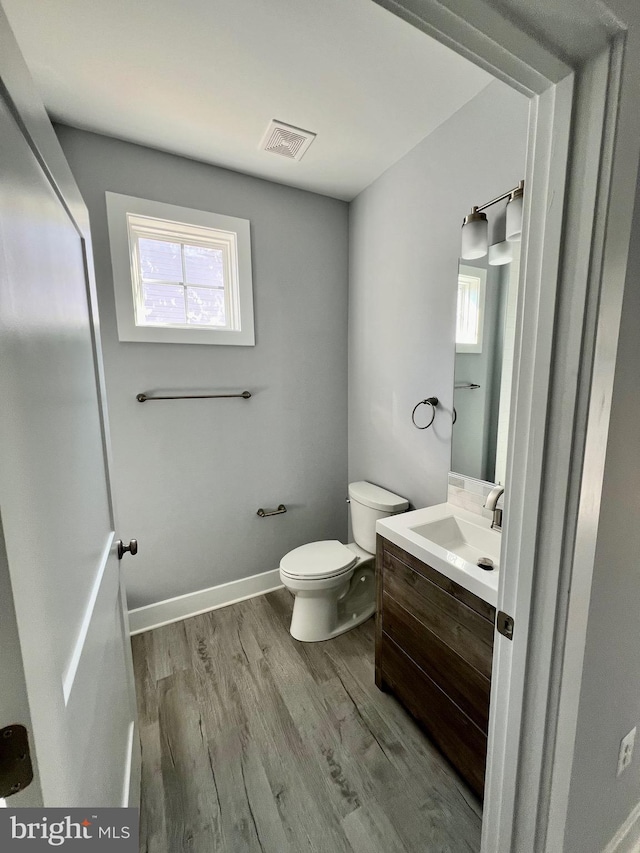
[
  {"x": 434, "y": 648},
  {"x": 467, "y": 634},
  {"x": 463, "y": 743},
  {"x": 464, "y": 685}
]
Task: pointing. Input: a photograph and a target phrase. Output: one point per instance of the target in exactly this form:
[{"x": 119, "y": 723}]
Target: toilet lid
[{"x": 318, "y": 560}]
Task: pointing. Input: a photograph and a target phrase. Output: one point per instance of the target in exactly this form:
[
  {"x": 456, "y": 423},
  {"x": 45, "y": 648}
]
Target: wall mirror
[{"x": 485, "y": 342}]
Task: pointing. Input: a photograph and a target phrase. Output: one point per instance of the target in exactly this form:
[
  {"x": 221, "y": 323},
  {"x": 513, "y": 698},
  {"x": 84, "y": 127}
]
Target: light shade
[
  {"x": 500, "y": 253},
  {"x": 475, "y": 236},
  {"x": 514, "y": 218}
]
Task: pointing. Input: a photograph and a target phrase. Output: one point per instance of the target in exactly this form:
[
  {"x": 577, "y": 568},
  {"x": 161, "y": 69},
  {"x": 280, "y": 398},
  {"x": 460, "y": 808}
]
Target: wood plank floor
[{"x": 255, "y": 743}]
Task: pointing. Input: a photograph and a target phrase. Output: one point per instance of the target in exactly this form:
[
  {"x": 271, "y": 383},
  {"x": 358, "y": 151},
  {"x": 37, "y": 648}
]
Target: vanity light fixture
[
  {"x": 475, "y": 229},
  {"x": 475, "y": 235},
  {"x": 500, "y": 253}
]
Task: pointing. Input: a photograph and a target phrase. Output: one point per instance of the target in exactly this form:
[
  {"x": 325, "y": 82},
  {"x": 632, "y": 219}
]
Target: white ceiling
[{"x": 203, "y": 78}]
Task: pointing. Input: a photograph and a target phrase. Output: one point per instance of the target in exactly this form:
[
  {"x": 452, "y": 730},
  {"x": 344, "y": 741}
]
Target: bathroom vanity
[{"x": 434, "y": 635}]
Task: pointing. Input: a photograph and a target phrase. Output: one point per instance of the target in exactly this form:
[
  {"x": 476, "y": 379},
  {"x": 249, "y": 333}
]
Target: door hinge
[
  {"x": 504, "y": 624},
  {"x": 16, "y": 770}
]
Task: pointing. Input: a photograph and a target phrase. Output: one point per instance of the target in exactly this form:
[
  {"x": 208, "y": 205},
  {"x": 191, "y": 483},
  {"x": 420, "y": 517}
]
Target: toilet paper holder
[{"x": 263, "y": 513}]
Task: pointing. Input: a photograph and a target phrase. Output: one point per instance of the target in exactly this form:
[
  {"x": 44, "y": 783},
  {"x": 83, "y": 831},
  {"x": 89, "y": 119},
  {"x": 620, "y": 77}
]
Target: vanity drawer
[
  {"x": 482, "y": 608},
  {"x": 463, "y": 743},
  {"x": 460, "y": 627},
  {"x": 467, "y": 687}
]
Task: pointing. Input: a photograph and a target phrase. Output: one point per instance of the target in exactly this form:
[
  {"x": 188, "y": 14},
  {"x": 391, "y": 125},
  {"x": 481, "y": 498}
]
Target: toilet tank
[{"x": 368, "y": 504}]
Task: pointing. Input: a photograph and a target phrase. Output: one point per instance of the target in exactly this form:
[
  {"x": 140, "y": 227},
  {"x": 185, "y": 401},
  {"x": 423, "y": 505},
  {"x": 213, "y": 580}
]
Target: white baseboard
[
  {"x": 627, "y": 838},
  {"x": 193, "y": 603}
]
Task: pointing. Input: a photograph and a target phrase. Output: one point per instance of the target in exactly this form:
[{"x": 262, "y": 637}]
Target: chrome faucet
[{"x": 492, "y": 499}]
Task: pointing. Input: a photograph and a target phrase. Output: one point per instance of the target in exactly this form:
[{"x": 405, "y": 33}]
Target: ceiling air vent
[{"x": 288, "y": 141}]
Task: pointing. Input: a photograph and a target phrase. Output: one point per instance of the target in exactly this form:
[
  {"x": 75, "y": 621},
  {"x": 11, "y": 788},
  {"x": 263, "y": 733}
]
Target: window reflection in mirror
[{"x": 485, "y": 341}]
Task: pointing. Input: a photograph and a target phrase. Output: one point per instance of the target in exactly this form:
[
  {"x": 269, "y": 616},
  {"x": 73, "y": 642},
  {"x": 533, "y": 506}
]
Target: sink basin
[
  {"x": 464, "y": 538},
  {"x": 451, "y": 540}
]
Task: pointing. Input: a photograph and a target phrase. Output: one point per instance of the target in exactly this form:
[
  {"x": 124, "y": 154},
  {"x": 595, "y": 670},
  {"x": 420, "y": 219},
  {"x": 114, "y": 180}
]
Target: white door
[{"x": 65, "y": 658}]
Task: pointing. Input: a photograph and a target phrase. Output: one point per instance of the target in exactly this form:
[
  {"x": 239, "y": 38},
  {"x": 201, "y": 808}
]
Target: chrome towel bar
[
  {"x": 144, "y": 398},
  {"x": 263, "y": 513}
]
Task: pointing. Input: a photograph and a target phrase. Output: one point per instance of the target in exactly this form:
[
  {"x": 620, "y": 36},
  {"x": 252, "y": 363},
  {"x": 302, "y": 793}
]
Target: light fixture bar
[
  {"x": 518, "y": 189},
  {"x": 475, "y": 227}
]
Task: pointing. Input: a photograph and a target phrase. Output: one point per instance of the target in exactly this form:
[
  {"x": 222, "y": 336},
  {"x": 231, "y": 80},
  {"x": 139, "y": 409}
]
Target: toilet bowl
[{"x": 334, "y": 584}]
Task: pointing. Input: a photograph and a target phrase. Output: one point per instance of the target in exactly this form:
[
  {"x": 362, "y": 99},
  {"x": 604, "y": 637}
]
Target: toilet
[{"x": 334, "y": 584}]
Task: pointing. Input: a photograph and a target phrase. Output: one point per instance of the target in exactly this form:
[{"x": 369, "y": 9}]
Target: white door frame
[
  {"x": 19, "y": 92},
  {"x": 584, "y": 136}
]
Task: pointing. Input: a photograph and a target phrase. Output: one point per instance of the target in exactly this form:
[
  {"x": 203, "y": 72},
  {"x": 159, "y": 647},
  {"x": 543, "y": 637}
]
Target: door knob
[{"x": 132, "y": 548}]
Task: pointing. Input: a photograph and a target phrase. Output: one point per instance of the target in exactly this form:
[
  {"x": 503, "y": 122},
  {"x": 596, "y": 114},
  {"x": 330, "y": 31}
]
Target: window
[
  {"x": 470, "y": 313},
  {"x": 180, "y": 275}
]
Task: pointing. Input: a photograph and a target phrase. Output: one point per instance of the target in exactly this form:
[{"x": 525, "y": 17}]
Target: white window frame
[
  {"x": 233, "y": 236},
  {"x": 477, "y": 275}
]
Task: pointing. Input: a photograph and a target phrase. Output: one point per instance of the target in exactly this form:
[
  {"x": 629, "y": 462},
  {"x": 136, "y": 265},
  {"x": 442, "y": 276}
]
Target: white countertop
[{"x": 398, "y": 529}]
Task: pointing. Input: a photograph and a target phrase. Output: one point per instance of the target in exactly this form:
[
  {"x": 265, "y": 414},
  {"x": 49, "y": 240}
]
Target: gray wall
[
  {"x": 190, "y": 475},
  {"x": 610, "y": 693},
  {"x": 404, "y": 246}
]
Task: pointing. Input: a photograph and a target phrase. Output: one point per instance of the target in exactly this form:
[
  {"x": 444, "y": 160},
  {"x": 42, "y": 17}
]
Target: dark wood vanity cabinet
[{"x": 434, "y": 647}]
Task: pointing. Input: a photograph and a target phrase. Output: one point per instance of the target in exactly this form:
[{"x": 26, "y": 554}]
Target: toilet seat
[{"x": 317, "y": 560}]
